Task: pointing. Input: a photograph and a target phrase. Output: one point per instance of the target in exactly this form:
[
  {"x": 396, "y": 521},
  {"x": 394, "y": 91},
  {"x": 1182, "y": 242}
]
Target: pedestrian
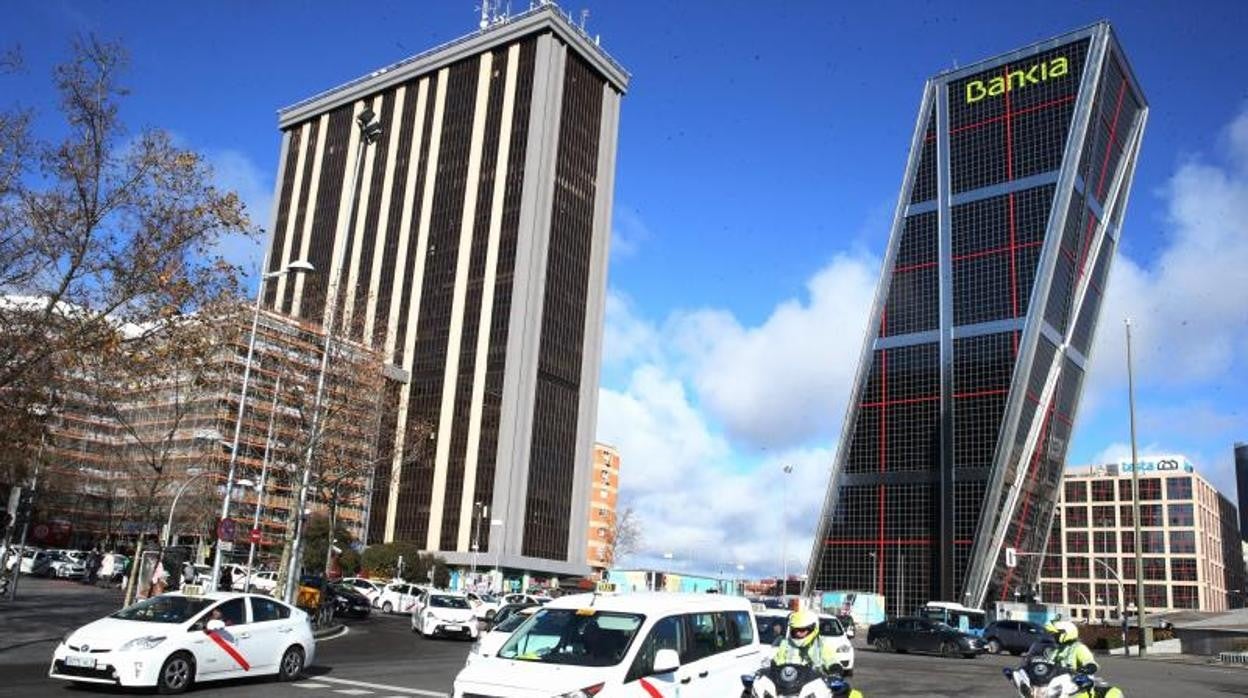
[
  {"x": 188, "y": 573},
  {"x": 226, "y": 581},
  {"x": 108, "y": 563},
  {"x": 93, "y": 567}
]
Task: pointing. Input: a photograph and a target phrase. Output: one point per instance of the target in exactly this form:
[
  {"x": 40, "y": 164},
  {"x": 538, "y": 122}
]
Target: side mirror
[
  {"x": 665, "y": 662},
  {"x": 215, "y": 624}
]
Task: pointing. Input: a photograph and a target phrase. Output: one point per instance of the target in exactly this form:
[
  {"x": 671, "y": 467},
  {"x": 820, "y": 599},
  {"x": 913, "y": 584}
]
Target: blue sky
[{"x": 761, "y": 150}]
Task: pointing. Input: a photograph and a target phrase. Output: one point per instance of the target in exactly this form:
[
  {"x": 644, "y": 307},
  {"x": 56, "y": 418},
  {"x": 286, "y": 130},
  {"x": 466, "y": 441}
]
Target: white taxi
[
  {"x": 445, "y": 613},
  {"x": 174, "y": 640},
  {"x": 607, "y": 646}
]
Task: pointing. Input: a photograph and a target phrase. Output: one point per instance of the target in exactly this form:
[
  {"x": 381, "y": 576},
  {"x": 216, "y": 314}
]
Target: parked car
[
  {"x": 1013, "y": 636},
  {"x": 37, "y": 563},
  {"x": 164, "y": 642},
  {"x": 349, "y": 602},
  {"x": 484, "y": 606},
  {"x": 630, "y": 644},
  {"x": 263, "y": 582},
  {"x": 526, "y": 598},
  {"x": 370, "y": 588},
  {"x": 397, "y": 597},
  {"x": 63, "y": 566},
  {"x": 922, "y": 635},
  {"x": 446, "y": 613},
  {"x": 491, "y": 641},
  {"x": 508, "y": 611}
]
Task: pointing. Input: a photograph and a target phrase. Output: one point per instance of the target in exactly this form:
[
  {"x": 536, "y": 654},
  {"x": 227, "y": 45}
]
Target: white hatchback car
[
  {"x": 174, "y": 640},
  {"x": 694, "y": 645},
  {"x": 445, "y": 613},
  {"x": 491, "y": 641},
  {"x": 398, "y": 597}
]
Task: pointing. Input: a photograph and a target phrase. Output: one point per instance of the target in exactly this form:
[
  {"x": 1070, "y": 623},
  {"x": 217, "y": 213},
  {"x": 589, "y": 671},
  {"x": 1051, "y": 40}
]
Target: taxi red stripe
[
  {"x": 229, "y": 649},
  {"x": 650, "y": 690}
]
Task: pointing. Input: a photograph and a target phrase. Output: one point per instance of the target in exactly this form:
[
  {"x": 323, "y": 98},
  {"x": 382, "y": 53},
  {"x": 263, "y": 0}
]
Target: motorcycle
[
  {"x": 1040, "y": 677},
  {"x": 796, "y": 681}
]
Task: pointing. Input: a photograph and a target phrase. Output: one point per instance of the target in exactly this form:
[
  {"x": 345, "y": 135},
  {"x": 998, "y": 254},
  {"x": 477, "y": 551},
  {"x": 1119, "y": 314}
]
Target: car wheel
[
  {"x": 969, "y": 655},
  {"x": 387, "y": 607},
  {"x": 292, "y": 664},
  {"x": 176, "y": 674},
  {"x": 946, "y": 649},
  {"x": 882, "y": 644},
  {"x": 994, "y": 646}
]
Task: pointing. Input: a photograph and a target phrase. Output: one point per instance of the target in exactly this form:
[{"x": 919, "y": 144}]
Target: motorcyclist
[
  {"x": 803, "y": 645},
  {"x": 1071, "y": 653}
]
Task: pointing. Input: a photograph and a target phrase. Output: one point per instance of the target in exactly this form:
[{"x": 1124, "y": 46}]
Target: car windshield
[
  {"x": 511, "y": 622},
  {"x": 577, "y": 637},
  {"x": 164, "y": 609},
  {"x": 830, "y": 627},
  {"x": 488, "y": 598},
  {"x": 448, "y": 602}
]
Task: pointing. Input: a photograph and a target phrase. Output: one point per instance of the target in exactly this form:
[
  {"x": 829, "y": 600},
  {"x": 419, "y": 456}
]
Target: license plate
[
  {"x": 80, "y": 662},
  {"x": 453, "y": 628}
]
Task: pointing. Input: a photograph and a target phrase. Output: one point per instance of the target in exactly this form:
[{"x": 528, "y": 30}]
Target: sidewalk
[{"x": 45, "y": 610}]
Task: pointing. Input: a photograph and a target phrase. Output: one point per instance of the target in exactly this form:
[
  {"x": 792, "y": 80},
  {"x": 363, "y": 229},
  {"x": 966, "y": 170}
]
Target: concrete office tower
[
  {"x": 476, "y": 260},
  {"x": 1011, "y": 208}
]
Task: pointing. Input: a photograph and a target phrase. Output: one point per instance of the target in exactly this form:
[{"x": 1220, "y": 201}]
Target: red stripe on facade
[
  {"x": 1113, "y": 130},
  {"x": 903, "y": 401},
  {"x": 999, "y": 250},
  {"x": 879, "y": 556},
  {"x": 1020, "y": 112},
  {"x": 915, "y": 267},
  {"x": 876, "y": 541},
  {"x": 1031, "y": 476},
  {"x": 981, "y": 393}
]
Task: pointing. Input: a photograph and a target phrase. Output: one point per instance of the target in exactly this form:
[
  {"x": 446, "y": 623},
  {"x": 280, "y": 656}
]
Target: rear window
[{"x": 830, "y": 627}]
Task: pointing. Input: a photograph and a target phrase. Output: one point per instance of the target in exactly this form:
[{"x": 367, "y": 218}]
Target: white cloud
[
  {"x": 234, "y": 171},
  {"x": 785, "y": 381},
  {"x": 711, "y": 410},
  {"x": 1188, "y": 309}
]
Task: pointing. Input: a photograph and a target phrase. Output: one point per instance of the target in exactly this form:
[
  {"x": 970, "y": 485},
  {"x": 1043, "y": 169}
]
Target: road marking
[
  {"x": 343, "y": 631},
  {"x": 353, "y": 691},
  {"x": 382, "y": 687},
  {"x": 310, "y": 685}
]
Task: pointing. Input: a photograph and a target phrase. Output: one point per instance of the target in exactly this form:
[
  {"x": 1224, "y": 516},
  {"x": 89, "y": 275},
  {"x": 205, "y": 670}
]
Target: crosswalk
[{"x": 328, "y": 684}]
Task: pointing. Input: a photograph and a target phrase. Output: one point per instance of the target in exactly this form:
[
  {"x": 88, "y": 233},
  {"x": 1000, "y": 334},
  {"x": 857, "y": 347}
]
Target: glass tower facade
[{"x": 955, "y": 439}]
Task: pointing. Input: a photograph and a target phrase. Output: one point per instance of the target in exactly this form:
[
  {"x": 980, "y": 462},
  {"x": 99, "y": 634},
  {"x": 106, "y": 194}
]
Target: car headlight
[
  {"x": 584, "y": 692},
  {"x": 142, "y": 643}
]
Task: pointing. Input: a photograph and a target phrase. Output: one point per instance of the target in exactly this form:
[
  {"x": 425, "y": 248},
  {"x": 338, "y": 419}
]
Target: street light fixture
[
  {"x": 370, "y": 131},
  {"x": 297, "y": 266}
]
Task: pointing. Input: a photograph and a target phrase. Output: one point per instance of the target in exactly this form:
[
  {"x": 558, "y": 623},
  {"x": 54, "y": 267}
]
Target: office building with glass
[{"x": 955, "y": 439}]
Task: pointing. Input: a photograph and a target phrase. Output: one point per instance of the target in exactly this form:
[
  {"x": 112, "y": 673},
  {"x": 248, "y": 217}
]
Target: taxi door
[
  {"x": 641, "y": 680},
  {"x": 271, "y": 632},
  {"x": 225, "y": 652}
]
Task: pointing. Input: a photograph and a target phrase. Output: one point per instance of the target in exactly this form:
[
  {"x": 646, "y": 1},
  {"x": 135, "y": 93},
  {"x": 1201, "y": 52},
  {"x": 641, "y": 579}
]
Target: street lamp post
[
  {"x": 370, "y": 131},
  {"x": 784, "y": 528},
  {"x": 1135, "y": 498},
  {"x": 174, "y": 507},
  {"x": 296, "y": 266},
  {"x": 264, "y": 476},
  {"x": 875, "y": 573}
]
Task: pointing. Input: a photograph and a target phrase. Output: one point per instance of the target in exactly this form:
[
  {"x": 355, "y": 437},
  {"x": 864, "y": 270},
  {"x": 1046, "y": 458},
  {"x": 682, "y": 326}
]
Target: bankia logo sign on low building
[{"x": 1162, "y": 464}]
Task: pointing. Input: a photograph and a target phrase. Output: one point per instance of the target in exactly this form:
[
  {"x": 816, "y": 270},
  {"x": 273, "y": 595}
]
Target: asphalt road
[{"x": 381, "y": 657}]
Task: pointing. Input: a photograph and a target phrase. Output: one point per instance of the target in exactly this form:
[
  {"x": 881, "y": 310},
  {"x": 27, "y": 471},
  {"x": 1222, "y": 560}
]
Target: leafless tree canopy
[{"x": 99, "y": 229}]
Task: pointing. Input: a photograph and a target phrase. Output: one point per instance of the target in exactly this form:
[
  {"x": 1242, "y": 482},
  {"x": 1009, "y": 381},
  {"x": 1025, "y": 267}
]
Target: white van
[{"x": 672, "y": 645}]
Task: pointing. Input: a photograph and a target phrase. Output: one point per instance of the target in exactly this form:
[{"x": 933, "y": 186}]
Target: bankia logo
[{"x": 1043, "y": 71}]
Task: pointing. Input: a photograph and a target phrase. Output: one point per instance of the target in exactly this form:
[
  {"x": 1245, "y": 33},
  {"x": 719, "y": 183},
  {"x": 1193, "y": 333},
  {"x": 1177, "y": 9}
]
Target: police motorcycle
[
  {"x": 796, "y": 681},
  {"x": 1041, "y": 677}
]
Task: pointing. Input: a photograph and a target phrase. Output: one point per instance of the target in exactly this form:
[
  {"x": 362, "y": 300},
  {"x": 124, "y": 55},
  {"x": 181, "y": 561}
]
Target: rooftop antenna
[
  {"x": 485, "y": 14},
  {"x": 584, "y": 18}
]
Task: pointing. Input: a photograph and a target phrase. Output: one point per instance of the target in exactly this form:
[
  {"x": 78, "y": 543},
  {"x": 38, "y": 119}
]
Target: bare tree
[
  {"x": 625, "y": 539},
  {"x": 99, "y": 229}
]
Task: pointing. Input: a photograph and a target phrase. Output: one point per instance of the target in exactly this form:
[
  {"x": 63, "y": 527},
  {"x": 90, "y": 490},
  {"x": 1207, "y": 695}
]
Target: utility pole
[{"x": 1135, "y": 499}]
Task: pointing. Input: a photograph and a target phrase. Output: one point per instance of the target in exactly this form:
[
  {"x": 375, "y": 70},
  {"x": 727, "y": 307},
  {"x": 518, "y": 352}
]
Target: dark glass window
[
  {"x": 1185, "y": 596},
  {"x": 1179, "y": 488},
  {"x": 1076, "y": 541},
  {"x": 1105, "y": 541},
  {"x": 1103, "y": 490},
  {"x": 1076, "y": 516},
  {"x": 1150, "y": 514},
  {"x": 1183, "y": 569},
  {"x": 1076, "y": 491},
  {"x": 1103, "y": 516},
  {"x": 1180, "y": 514},
  {"x": 1182, "y": 542},
  {"x": 1150, "y": 489}
]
